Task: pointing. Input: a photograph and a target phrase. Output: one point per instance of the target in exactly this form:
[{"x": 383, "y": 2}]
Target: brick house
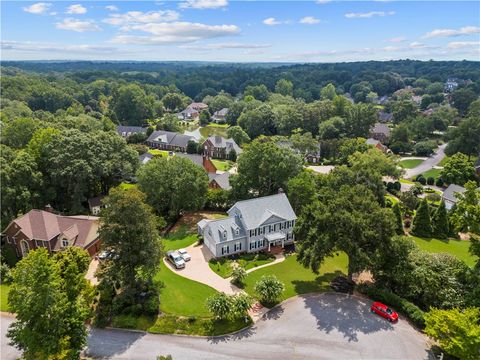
[
  {"x": 217, "y": 147},
  {"x": 167, "y": 140},
  {"x": 380, "y": 132},
  {"x": 201, "y": 161},
  {"x": 39, "y": 228}
]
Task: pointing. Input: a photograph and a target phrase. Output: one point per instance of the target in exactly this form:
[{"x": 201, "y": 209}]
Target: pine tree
[
  {"x": 422, "y": 225},
  {"x": 441, "y": 227},
  {"x": 398, "y": 219}
]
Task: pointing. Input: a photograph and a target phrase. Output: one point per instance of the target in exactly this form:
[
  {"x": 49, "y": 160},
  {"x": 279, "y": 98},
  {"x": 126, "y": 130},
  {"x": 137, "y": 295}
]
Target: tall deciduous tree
[
  {"x": 173, "y": 185},
  {"x": 51, "y": 299},
  {"x": 466, "y": 214},
  {"x": 301, "y": 190},
  {"x": 465, "y": 138},
  {"x": 128, "y": 229},
  {"x": 237, "y": 134},
  {"x": 132, "y": 105},
  {"x": 263, "y": 168},
  {"x": 458, "y": 169},
  {"x": 457, "y": 331},
  {"x": 350, "y": 220},
  {"x": 422, "y": 224}
]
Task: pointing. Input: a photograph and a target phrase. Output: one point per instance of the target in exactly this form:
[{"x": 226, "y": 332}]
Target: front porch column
[
  {"x": 283, "y": 243},
  {"x": 268, "y": 245}
]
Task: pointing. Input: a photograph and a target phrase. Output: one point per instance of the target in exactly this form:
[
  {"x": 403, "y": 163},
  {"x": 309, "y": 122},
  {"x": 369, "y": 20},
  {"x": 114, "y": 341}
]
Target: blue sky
[{"x": 243, "y": 31}]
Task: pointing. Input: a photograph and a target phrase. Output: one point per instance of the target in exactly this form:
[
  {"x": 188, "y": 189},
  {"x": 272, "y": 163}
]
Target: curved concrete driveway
[
  {"x": 316, "y": 326},
  {"x": 428, "y": 164}
]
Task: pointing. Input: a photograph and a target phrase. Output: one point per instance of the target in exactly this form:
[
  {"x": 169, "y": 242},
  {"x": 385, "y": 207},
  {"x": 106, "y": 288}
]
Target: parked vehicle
[
  {"x": 107, "y": 255},
  {"x": 176, "y": 259},
  {"x": 184, "y": 254},
  {"x": 384, "y": 311}
]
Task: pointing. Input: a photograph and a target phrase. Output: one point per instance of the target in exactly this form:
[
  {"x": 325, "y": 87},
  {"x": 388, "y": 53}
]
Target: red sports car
[{"x": 384, "y": 311}]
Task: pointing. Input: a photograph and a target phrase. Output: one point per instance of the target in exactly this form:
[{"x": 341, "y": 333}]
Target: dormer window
[
  {"x": 64, "y": 242},
  {"x": 237, "y": 231},
  {"x": 225, "y": 234}
]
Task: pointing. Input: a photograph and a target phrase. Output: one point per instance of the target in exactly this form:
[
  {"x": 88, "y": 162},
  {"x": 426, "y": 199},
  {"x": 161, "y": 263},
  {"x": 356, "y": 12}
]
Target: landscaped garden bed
[{"x": 225, "y": 266}]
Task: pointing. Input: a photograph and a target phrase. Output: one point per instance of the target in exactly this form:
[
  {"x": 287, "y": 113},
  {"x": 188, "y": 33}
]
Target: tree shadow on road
[
  {"x": 347, "y": 315},
  {"x": 119, "y": 341},
  {"x": 243, "y": 334}
]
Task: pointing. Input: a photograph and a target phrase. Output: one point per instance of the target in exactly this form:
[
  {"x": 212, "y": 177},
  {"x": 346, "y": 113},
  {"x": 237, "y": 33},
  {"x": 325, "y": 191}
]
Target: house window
[
  {"x": 225, "y": 250},
  {"x": 14, "y": 240},
  {"x": 8, "y": 239},
  {"x": 238, "y": 246},
  {"x": 225, "y": 234},
  {"x": 269, "y": 228},
  {"x": 237, "y": 231},
  {"x": 64, "y": 243}
]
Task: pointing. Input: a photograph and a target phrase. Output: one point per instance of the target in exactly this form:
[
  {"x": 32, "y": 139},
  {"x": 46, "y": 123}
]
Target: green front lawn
[
  {"x": 457, "y": 248},
  {"x": 158, "y": 152},
  {"x": 224, "y": 266},
  {"x": 405, "y": 181},
  {"x": 435, "y": 173},
  {"x": 181, "y": 238},
  {"x": 297, "y": 279},
  {"x": 182, "y": 296},
  {"x": 4, "y": 289},
  {"x": 410, "y": 163},
  {"x": 223, "y": 165},
  {"x": 443, "y": 161}
]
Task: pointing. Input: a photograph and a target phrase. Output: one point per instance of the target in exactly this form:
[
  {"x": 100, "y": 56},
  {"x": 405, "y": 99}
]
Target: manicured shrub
[
  {"x": 238, "y": 275},
  {"x": 440, "y": 222},
  {"x": 269, "y": 288},
  {"x": 397, "y": 185},
  {"x": 422, "y": 225},
  {"x": 405, "y": 307},
  {"x": 439, "y": 182},
  {"x": 421, "y": 180},
  {"x": 398, "y": 219},
  {"x": 220, "y": 305},
  {"x": 430, "y": 180}
]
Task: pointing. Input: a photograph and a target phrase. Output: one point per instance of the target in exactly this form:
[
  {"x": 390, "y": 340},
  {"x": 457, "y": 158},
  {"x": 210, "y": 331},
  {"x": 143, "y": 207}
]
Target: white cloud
[
  {"x": 34, "y": 47},
  {"x": 463, "y": 44},
  {"x": 397, "y": 39},
  {"x": 111, "y": 8},
  {"x": 77, "y": 25},
  {"x": 310, "y": 20},
  {"x": 369, "y": 14},
  {"x": 174, "y": 32},
  {"x": 466, "y": 30},
  {"x": 221, "y": 46},
  {"x": 134, "y": 17},
  {"x": 38, "y": 8},
  {"x": 77, "y": 9},
  {"x": 271, "y": 21},
  {"x": 203, "y": 4}
]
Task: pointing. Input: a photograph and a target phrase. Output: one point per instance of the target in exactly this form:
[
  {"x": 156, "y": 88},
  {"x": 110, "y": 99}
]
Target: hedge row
[{"x": 398, "y": 303}]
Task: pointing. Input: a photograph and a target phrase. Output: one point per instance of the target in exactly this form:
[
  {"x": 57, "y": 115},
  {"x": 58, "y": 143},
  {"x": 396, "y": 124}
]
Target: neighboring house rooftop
[
  {"x": 385, "y": 117},
  {"x": 227, "y": 144},
  {"x": 197, "y": 159},
  {"x": 450, "y": 192},
  {"x": 95, "y": 201},
  {"x": 257, "y": 211},
  {"x": 222, "y": 180},
  {"x": 170, "y": 138},
  {"x": 144, "y": 158},
  {"x": 222, "y": 112},
  {"x": 125, "y": 130},
  {"x": 372, "y": 141},
  {"x": 380, "y": 128},
  {"x": 198, "y": 106},
  {"x": 44, "y": 225}
]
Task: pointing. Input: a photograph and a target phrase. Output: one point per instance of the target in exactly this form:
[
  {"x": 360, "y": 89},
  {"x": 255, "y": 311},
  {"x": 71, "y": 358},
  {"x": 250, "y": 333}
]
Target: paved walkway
[
  {"x": 92, "y": 268},
  {"x": 278, "y": 259},
  {"x": 428, "y": 164}
]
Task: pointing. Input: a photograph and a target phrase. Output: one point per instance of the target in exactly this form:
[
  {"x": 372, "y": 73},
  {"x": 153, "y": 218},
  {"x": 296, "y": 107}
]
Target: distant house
[
  {"x": 144, "y": 158},
  {"x": 380, "y": 132},
  {"x": 377, "y": 144},
  {"x": 312, "y": 157},
  {"x": 126, "y": 131},
  {"x": 385, "y": 117},
  {"x": 451, "y": 85},
  {"x": 189, "y": 114},
  {"x": 218, "y": 147},
  {"x": 95, "y": 204},
  {"x": 450, "y": 195},
  {"x": 251, "y": 226},
  {"x": 200, "y": 160},
  {"x": 219, "y": 181},
  {"x": 199, "y": 106},
  {"x": 167, "y": 140},
  {"x": 220, "y": 115},
  {"x": 44, "y": 229},
  {"x": 381, "y": 100}
]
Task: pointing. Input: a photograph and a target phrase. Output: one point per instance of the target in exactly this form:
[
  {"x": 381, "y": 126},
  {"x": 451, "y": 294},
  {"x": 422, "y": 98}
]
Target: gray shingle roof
[
  {"x": 217, "y": 227},
  {"x": 223, "y": 180},
  {"x": 144, "y": 158},
  {"x": 170, "y": 138},
  {"x": 450, "y": 192},
  {"x": 95, "y": 201},
  {"x": 380, "y": 128},
  {"x": 228, "y": 144},
  {"x": 221, "y": 112},
  {"x": 256, "y": 211},
  {"x": 197, "y": 159}
]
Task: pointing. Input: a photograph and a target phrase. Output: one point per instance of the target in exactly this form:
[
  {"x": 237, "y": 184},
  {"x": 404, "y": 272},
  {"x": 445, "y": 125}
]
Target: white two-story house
[{"x": 251, "y": 226}]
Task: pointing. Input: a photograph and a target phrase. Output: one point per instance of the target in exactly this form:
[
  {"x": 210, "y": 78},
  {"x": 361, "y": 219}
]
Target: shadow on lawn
[
  {"x": 321, "y": 283},
  {"x": 347, "y": 315}
]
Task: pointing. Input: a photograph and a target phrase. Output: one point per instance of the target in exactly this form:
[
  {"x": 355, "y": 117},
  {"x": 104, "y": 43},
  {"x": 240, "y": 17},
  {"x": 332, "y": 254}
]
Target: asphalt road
[
  {"x": 427, "y": 164},
  {"x": 319, "y": 326}
]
